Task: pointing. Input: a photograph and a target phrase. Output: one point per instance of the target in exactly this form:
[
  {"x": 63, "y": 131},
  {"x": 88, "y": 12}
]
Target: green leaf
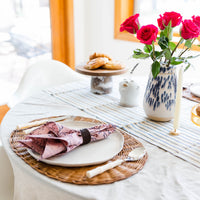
[
  {"x": 155, "y": 69},
  {"x": 168, "y": 31},
  {"x": 141, "y": 56},
  {"x": 158, "y": 54},
  {"x": 165, "y": 32},
  {"x": 188, "y": 43},
  {"x": 163, "y": 42},
  {"x": 187, "y": 67},
  {"x": 167, "y": 53},
  {"x": 137, "y": 51},
  {"x": 172, "y": 45},
  {"x": 170, "y": 34},
  {"x": 162, "y": 34},
  {"x": 147, "y": 48},
  {"x": 176, "y": 61},
  {"x": 189, "y": 57}
]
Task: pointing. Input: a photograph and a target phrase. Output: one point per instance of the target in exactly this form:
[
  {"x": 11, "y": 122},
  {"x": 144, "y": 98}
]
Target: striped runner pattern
[
  {"x": 186, "y": 145},
  {"x": 68, "y": 87},
  {"x": 84, "y": 99},
  {"x": 133, "y": 120},
  {"x": 115, "y": 114}
]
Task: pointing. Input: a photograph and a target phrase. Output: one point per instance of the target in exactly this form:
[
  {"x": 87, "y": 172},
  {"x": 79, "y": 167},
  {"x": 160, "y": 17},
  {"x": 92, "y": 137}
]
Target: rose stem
[
  {"x": 148, "y": 48},
  {"x": 186, "y": 49},
  {"x": 153, "y": 51},
  {"x": 175, "y": 50}
]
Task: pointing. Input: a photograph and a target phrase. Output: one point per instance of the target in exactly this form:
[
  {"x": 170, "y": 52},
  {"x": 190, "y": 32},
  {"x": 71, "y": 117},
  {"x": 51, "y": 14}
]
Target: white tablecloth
[{"x": 164, "y": 176}]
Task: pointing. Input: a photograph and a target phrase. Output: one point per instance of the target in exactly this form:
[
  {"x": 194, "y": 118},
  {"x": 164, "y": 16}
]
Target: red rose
[
  {"x": 131, "y": 24},
  {"x": 164, "y": 20},
  {"x": 196, "y": 20},
  {"x": 189, "y": 30},
  {"x": 147, "y": 34}
]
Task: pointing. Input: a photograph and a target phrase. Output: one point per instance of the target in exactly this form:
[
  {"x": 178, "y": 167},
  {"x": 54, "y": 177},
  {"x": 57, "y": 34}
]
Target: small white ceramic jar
[{"x": 130, "y": 92}]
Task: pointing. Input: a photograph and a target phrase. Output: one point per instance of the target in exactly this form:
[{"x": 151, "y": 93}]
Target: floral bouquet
[{"x": 148, "y": 35}]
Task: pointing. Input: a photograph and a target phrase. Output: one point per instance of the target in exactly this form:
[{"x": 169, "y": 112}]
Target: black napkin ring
[{"x": 86, "y": 136}]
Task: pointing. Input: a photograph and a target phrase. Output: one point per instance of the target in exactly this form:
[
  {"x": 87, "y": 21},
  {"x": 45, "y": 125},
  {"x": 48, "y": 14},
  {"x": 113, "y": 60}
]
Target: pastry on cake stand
[
  {"x": 101, "y": 79},
  {"x": 101, "y": 71}
]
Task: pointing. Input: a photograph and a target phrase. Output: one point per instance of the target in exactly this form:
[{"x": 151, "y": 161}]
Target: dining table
[{"x": 171, "y": 171}]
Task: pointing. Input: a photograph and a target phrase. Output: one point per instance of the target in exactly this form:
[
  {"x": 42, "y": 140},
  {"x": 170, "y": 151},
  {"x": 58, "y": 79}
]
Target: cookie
[
  {"x": 97, "y": 55},
  {"x": 96, "y": 63},
  {"x": 113, "y": 65}
]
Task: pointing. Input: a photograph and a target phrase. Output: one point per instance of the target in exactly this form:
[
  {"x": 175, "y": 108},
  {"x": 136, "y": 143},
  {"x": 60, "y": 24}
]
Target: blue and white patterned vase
[{"x": 160, "y": 95}]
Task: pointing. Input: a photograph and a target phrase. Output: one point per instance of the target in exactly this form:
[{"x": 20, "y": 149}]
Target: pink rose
[
  {"x": 131, "y": 24},
  {"x": 164, "y": 20},
  {"x": 196, "y": 20},
  {"x": 147, "y": 34},
  {"x": 189, "y": 30}
]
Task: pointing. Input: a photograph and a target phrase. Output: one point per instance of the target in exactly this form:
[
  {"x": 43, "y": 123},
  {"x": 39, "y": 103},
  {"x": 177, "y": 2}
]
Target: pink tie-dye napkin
[{"x": 53, "y": 138}]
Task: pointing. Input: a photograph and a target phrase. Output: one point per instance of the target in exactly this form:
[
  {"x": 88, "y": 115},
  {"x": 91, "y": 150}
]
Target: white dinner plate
[
  {"x": 89, "y": 154},
  {"x": 195, "y": 89}
]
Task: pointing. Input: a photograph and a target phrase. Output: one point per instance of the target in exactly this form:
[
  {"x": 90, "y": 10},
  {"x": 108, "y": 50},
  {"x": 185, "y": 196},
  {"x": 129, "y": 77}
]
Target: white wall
[
  {"x": 94, "y": 32},
  {"x": 79, "y": 26}
]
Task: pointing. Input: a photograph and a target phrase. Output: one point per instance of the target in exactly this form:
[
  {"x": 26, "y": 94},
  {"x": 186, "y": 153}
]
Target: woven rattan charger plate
[{"x": 77, "y": 175}]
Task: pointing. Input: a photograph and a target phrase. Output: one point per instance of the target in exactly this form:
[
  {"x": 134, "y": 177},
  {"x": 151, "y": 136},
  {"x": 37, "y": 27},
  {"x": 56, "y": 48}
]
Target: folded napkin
[{"x": 53, "y": 138}]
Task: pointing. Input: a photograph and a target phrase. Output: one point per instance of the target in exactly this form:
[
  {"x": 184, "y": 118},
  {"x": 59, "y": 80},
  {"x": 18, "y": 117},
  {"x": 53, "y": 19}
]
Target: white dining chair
[{"x": 39, "y": 76}]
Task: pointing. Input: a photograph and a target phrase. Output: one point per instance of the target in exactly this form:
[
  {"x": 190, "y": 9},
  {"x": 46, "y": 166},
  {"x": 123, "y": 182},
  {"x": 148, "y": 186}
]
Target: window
[{"x": 25, "y": 36}]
